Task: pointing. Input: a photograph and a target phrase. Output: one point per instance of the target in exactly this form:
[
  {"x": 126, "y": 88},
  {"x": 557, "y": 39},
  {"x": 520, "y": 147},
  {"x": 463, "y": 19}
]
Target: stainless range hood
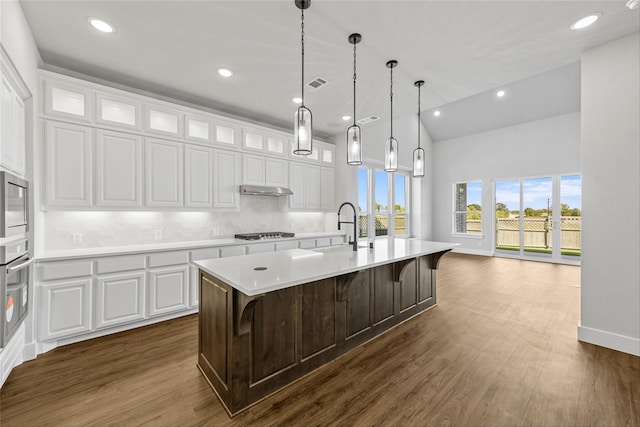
[{"x": 258, "y": 190}]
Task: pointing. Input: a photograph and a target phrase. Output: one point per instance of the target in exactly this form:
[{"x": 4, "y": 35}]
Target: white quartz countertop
[
  {"x": 297, "y": 266},
  {"x": 168, "y": 246}
]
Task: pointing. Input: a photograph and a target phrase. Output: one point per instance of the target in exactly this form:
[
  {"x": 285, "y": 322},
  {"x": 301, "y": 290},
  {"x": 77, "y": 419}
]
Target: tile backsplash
[{"x": 115, "y": 228}]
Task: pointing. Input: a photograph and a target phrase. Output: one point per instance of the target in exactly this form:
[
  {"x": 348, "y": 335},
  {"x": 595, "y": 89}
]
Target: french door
[{"x": 526, "y": 223}]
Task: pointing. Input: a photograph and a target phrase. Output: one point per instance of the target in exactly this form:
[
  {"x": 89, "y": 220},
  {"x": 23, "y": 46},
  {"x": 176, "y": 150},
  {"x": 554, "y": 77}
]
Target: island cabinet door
[
  {"x": 383, "y": 295},
  {"x": 318, "y": 317},
  {"x": 426, "y": 279},
  {"x": 273, "y": 335},
  {"x": 406, "y": 274},
  {"x": 355, "y": 292}
]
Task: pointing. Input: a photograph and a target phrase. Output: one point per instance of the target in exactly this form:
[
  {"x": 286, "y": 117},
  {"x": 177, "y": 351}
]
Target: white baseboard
[
  {"x": 610, "y": 340},
  {"x": 472, "y": 251}
]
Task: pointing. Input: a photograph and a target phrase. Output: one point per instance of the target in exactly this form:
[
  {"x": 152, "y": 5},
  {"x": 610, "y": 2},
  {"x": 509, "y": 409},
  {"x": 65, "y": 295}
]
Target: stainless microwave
[{"x": 14, "y": 209}]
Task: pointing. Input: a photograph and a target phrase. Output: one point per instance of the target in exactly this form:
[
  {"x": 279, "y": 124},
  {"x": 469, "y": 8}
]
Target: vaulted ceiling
[{"x": 461, "y": 49}]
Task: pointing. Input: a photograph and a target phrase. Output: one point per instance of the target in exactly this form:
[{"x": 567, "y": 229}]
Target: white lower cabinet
[
  {"x": 168, "y": 290},
  {"x": 65, "y": 309},
  {"x": 119, "y": 298},
  {"x": 194, "y": 293}
]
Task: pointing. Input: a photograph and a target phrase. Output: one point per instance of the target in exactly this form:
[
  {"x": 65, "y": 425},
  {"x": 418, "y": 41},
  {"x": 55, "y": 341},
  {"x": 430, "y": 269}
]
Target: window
[
  {"x": 467, "y": 208},
  {"x": 382, "y": 203}
]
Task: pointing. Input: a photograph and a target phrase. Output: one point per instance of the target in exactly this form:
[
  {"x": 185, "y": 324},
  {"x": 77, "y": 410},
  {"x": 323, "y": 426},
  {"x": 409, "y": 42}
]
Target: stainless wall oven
[
  {"x": 14, "y": 201},
  {"x": 14, "y": 287}
]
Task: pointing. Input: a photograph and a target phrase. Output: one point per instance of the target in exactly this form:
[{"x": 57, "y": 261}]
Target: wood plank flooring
[{"x": 499, "y": 349}]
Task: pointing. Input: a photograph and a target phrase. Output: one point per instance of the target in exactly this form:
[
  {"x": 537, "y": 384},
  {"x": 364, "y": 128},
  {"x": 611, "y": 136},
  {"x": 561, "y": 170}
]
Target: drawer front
[
  {"x": 323, "y": 242},
  {"x": 120, "y": 263},
  {"x": 64, "y": 270},
  {"x": 168, "y": 258},
  {"x": 232, "y": 251},
  {"x": 283, "y": 246},
  {"x": 260, "y": 248},
  {"x": 337, "y": 240},
  {"x": 200, "y": 254},
  {"x": 307, "y": 244}
]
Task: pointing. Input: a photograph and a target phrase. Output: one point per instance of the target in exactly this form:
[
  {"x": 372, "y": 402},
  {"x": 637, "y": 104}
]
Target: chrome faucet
[{"x": 355, "y": 235}]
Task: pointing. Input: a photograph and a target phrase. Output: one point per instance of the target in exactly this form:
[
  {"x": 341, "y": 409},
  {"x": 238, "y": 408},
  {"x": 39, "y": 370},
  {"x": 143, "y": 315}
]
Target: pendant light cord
[
  {"x": 419, "y": 87},
  {"x": 302, "y": 32},
  {"x": 391, "y": 96},
  {"x": 354, "y": 84}
]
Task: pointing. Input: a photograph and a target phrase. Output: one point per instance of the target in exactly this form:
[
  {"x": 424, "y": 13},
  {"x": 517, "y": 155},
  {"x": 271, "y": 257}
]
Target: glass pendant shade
[
  {"x": 354, "y": 145},
  {"x": 418, "y": 163},
  {"x": 391, "y": 155},
  {"x": 303, "y": 134}
]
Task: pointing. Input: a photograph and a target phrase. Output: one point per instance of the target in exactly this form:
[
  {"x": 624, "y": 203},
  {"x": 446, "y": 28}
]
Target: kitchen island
[{"x": 268, "y": 319}]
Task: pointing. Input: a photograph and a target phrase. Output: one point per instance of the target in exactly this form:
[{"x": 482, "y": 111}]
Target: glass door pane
[
  {"x": 400, "y": 206},
  {"x": 537, "y": 194},
  {"x": 571, "y": 215},
  {"x": 363, "y": 202},
  {"x": 508, "y": 215},
  {"x": 381, "y": 186}
]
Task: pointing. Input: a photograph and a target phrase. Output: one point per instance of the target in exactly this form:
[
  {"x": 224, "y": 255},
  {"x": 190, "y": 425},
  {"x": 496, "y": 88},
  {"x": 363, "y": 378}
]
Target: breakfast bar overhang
[{"x": 268, "y": 319}]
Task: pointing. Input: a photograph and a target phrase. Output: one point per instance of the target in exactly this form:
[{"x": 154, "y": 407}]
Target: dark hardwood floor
[{"x": 499, "y": 349}]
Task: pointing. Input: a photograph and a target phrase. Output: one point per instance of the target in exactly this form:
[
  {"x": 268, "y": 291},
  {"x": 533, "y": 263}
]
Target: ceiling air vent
[
  {"x": 316, "y": 83},
  {"x": 369, "y": 119}
]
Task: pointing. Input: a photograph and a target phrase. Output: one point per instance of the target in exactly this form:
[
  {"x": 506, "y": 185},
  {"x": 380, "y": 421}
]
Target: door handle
[{"x": 19, "y": 266}]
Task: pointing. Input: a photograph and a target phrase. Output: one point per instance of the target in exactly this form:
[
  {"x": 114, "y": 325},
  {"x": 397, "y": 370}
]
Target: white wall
[
  {"x": 374, "y": 137},
  {"x": 610, "y": 157},
  {"x": 544, "y": 147}
]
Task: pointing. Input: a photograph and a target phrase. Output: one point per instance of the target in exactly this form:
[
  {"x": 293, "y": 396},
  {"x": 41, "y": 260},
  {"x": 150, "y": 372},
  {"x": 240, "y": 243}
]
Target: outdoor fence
[
  {"x": 382, "y": 224},
  {"x": 538, "y": 232}
]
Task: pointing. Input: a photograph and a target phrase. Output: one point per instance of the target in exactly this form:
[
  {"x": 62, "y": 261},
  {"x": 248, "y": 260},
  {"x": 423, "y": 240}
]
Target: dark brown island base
[{"x": 252, "y": 346}]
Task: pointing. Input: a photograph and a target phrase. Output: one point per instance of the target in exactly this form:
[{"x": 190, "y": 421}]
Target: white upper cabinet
[
  {"x": 117, "y": 111},
  {"x": 253, "y": 169},
  {"x": 163, "y": 121},
  {"x": 277, "y": 145},
  {"x": 68, "y": 164},
  {"x": 226, "y": 134},
  {"x": 276, "y": 172},
  {"x": 312, "y": 187},
  {"x": 198, "y": 176},
  {"x": 327, "y": 189},
  {"x": 327, "y": 154},
  {"x": 253, "y": 140},
  {"x": 118, "y": 169},
  {"x": 164, "y": 173},
  {"x": 297, "y": 178},
  {"x": 12, "y": 128},
  {"x": 197, "y": 128},
  {"x": 226, "y": 179},
  {"x": 67, "y": 101}
]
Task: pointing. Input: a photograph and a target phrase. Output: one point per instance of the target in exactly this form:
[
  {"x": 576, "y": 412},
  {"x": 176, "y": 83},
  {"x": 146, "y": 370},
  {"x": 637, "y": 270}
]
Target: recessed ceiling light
[
  {"x": 500, "y": 93},
  {"x": 100, "y": 25},
  {"x": 346, "y": 118},
  {"x": 224, "y": 72},
  {"x": 436, "y": 113},
  {"x": 586, "y": 21},
  {"x": 297, "y": 100}
]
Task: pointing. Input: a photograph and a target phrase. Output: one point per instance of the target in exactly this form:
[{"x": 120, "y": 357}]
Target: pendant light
[
  {"x": 418, "y": 153},
  {"x": 391, "y": 147},
  {"x": 303, "y": 132},
  {"x": 354, "y": 134}
]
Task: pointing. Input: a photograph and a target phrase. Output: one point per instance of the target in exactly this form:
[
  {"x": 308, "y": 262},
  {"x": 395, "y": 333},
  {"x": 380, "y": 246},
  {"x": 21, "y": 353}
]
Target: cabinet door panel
[
  {"x": 67, "y": 101},
  {"x": 119, "y": 299},
  {"x": 226, "y": 178},
  {"x": 318, "y": 317},
  {"x": 68, "y": 164},
  {"x": 198, "y": 177},
  {"x": 296, "y": 178},
  {"x": 277, "y": 173},
  {"x": 408, "y": 285},
  {"x": 312, "y": 187},
  {"x": 65, "y": 309},
  {"x": 327, "y": 189},
  {"x": 118, "y": 169},
  {"x": 383, "y": 293},
  {"x": 168, "y": 290},
  {"x": 358, "y": 304},
  {"x": 163, "y": 161},
  {"x": 6, "y": 133},
  {"x": 253, "y": 170},
  {"x": 19, "y": 138}
]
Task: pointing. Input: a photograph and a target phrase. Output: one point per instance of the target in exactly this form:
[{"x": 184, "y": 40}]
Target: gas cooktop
[{"x": 264, "y": 236}]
